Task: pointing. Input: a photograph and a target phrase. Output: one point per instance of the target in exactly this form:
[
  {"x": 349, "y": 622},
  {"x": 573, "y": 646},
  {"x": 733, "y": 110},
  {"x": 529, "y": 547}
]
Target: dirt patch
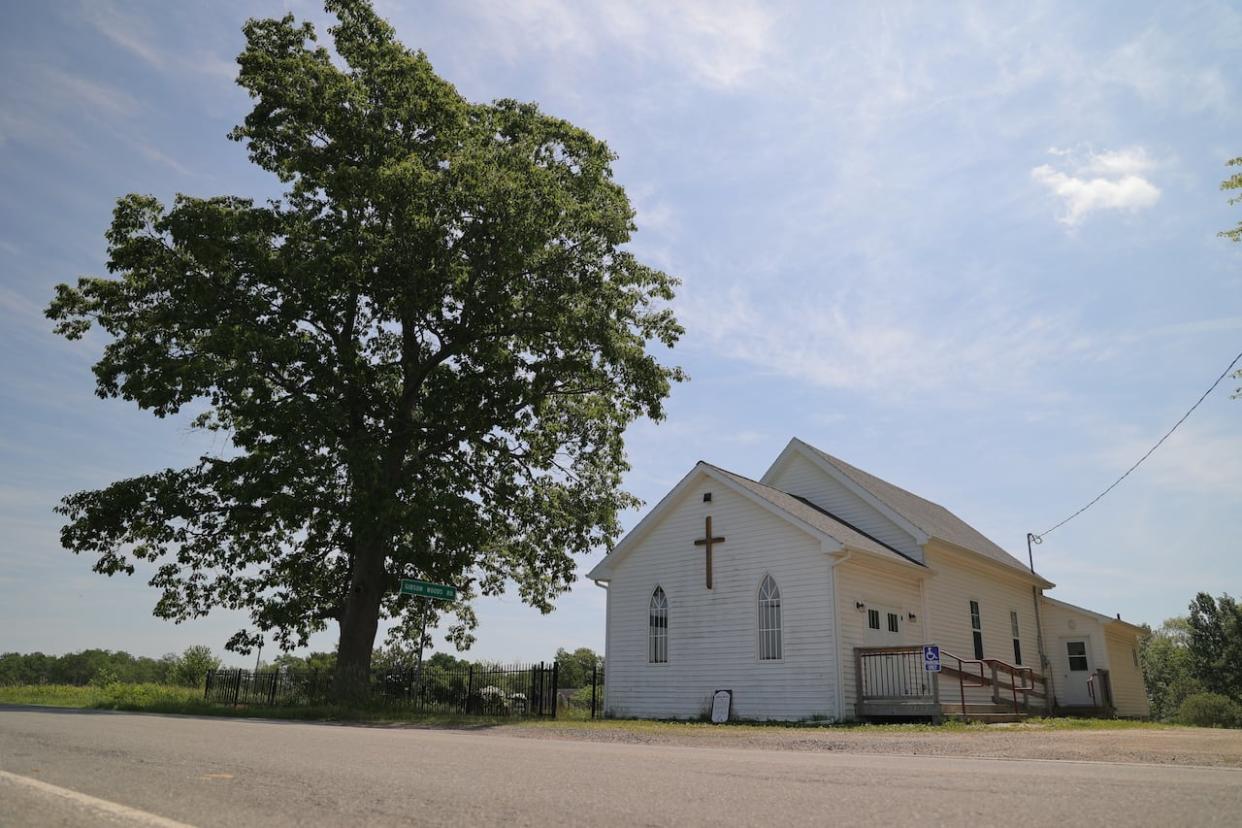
[{"x": 1166, "y": 746}]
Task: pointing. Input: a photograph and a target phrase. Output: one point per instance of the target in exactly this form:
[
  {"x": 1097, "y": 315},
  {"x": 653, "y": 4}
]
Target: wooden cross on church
[{"x": 707, "y": 541}]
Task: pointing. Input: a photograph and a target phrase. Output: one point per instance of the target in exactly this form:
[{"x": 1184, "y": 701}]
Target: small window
[
  {"x": 657, "y": 628},
  {"x": 1077, "y": 652},
  {"x": 1134, "y": 655},
  {"x": 769, "y": 620},
  {"x": 893, "y": 625},
  {"x": 976, "y": 628},
  {"x": 873, "y": 619},
  {"x": 1017, "y": 642}
]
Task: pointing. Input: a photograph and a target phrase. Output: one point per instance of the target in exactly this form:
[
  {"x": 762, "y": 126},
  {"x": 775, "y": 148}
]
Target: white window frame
[
  {"x": 657, "y": 633},
  {"x": 1015, "y": 629},
  {"x": 770, "y": 618},
  {"x": 976, "y": 617}
]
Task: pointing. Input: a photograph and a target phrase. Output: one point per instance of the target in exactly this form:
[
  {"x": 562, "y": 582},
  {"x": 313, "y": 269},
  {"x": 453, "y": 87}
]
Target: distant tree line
[
  {"x": 189, "y": 668},
  {"x": 106, "y": 666},
  {"x": 1192, "y": 664}
]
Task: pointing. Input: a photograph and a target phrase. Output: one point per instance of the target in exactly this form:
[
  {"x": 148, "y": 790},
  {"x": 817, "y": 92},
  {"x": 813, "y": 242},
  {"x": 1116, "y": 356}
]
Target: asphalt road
[{"x": 72, "y": 768}]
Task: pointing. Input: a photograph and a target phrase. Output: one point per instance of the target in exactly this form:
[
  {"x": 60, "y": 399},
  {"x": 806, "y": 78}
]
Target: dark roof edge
[{"x": 849, "y": 525}]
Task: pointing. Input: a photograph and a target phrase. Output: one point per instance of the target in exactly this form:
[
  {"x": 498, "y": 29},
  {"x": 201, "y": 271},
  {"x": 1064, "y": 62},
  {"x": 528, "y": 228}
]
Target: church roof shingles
[
  {"x": 816, "y": 517},
  {"x": 932, "y": 518}
]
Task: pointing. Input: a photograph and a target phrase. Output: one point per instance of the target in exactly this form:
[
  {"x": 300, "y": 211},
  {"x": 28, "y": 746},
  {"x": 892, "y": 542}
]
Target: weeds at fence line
[{"x": 463, "y": 690}]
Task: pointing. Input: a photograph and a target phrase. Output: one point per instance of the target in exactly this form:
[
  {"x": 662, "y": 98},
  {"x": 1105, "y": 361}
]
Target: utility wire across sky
[{"x": 1039, "y": 538}]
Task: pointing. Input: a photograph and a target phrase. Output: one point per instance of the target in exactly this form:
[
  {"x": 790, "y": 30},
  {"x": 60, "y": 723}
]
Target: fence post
[
  {"x": 555, "y": 668},
  {"x": 469, "y": 687},
  {"x": 237, "y": 688},
  {"x": 207, "y": 685},
  {"x": 594, "y": 681}
]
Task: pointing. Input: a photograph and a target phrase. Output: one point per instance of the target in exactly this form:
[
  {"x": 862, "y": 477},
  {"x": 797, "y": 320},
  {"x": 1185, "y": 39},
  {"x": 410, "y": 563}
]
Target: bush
[
  {"x": 190, "y": 670},
  {"x": 1210, "y": 710}
]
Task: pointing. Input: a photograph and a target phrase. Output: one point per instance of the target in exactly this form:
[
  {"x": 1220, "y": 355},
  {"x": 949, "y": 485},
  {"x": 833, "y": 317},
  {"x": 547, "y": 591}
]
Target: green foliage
[
  {"x": 1165, "y": 657},
  {"x": 1209, "y": 710},
  {"x": 80, "y": 668},
  {"x": 1233, "y": 182},
  {"x": 324, "y": 662},
  {"x": 424, "y": 354},
  {"x": 575, "y": 668},
  {"x": 1215, "y": 644},
  {"x": 190, "y": 669},
  {"x": 1194, "y": 654}
]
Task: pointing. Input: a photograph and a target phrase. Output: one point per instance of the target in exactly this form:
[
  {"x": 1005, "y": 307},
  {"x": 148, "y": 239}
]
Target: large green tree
[
  {"x": 1165, "y": 657},
  {"x": 1215, "y": 644},
  {"x": 424, "y": 354}
]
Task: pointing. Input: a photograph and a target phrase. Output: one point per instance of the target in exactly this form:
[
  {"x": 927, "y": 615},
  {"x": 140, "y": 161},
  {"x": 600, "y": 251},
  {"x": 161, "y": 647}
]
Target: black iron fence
[{"x": 480, "y": 690}]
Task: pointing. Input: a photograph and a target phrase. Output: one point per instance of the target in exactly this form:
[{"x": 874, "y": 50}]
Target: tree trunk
[{"x": 359, "y": 623}]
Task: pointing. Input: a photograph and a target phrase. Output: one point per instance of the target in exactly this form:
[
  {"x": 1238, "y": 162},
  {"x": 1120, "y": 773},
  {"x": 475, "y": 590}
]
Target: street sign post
[
  {"x": 931, "y": 658},
  {"x": 435, "y": 592}
]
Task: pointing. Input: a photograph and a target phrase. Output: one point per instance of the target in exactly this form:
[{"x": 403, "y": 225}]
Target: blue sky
[{"x": 972, "y": 250}]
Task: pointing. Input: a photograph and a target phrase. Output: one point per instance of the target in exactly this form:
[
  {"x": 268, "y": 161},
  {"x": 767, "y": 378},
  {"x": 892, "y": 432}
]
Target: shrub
[{"x": 1210, "y": 710}]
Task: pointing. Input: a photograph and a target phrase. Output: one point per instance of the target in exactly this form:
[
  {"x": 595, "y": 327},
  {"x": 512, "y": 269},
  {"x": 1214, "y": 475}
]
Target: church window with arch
[
  {"x": 769, "y": 620},
  {"x": 657, "y": 628}
]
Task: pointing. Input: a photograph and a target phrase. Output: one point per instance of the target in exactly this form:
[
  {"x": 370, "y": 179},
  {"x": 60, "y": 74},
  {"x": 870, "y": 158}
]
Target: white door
[
  {"x": 1077, "y": 671},
  {"x": 883, "y": 627}
]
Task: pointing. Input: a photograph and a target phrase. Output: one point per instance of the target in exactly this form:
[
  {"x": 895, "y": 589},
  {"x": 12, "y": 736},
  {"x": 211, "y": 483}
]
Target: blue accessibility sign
[{"x": 931, "y": 658}]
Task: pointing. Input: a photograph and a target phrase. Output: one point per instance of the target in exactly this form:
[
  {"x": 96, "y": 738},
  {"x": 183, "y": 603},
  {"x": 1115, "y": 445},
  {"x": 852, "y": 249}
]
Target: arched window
[
  {"x": 657, "y": 628},
  {"x": 769, "y": 620}
]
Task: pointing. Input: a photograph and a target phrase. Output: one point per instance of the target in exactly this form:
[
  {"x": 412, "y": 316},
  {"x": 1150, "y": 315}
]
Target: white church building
[{"x": 809, "y": 593}]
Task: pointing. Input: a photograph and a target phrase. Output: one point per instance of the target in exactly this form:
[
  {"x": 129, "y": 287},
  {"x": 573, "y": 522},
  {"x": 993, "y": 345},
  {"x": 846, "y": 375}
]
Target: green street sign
[{"x": 409, "y": 586}]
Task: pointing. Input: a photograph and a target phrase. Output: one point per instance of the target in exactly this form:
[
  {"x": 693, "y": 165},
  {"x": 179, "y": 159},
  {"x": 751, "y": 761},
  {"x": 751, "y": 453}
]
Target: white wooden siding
[
  {"x": 712, "y": 634},
  {"x": 877, "y": 586},
  {"x": 799, "y": 476},
  {"x": 1062, "y": 622},
  {"x": 1129, "y": 691},
  {"x": 956, "y": 582}
]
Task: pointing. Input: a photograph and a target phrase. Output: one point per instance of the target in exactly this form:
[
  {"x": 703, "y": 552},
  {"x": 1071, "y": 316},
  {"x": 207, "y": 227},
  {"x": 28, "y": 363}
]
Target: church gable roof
[
  {"x": 812, "y": 515},
  {"x": 930, "y": 518},
  {"x": 801, "y": 513}
]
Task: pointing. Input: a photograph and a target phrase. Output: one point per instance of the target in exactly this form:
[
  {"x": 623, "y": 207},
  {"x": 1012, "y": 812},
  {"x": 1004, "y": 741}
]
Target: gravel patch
[{"x": 1165, "y": 746}]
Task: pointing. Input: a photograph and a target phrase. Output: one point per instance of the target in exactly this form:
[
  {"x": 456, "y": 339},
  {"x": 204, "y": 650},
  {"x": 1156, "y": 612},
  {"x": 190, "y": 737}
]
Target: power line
[{"x": 1038, "y": 538}]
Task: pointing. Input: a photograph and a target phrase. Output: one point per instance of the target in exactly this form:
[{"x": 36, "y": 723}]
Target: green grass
[{"x": 159, "y": 698}]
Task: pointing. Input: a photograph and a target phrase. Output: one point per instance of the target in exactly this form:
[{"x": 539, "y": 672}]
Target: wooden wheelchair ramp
[{"x": 892, "y": 684}]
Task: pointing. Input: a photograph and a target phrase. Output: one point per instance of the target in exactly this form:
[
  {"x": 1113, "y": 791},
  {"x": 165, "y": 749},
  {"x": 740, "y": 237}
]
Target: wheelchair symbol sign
[{"x": 931, "y": 658}]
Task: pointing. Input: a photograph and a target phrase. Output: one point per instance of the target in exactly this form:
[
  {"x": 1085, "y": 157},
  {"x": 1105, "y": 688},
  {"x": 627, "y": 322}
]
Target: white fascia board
[
  {"x": 893, "y": 559},
  {"x": 808, "y": 451},
  {"x": 993, "y": 565},
  {"x": 786, "y": 453},
  {"x": 603, "y": 569},
  {"x": 1098, "y": 616}
]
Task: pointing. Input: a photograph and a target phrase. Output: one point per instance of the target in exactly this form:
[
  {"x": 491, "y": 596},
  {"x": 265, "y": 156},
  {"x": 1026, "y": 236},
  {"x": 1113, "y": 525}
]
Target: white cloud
[
  {"x": 1196, "y": 459},
  {"x": 719, "y": 44},
  {"x": 1109, "y": 180},
  {"x": 984, "y": 347},
  {"x": 165, "y": 159},
  {"x": 133, "y": 33}
]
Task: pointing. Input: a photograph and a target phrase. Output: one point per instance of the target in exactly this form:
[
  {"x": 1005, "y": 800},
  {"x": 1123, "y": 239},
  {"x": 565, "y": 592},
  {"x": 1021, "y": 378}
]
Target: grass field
[{"x": 158, "y": 698}]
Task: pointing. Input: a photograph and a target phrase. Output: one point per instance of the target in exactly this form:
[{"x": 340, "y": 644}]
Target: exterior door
[{"x": 1077, "y": 670}]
